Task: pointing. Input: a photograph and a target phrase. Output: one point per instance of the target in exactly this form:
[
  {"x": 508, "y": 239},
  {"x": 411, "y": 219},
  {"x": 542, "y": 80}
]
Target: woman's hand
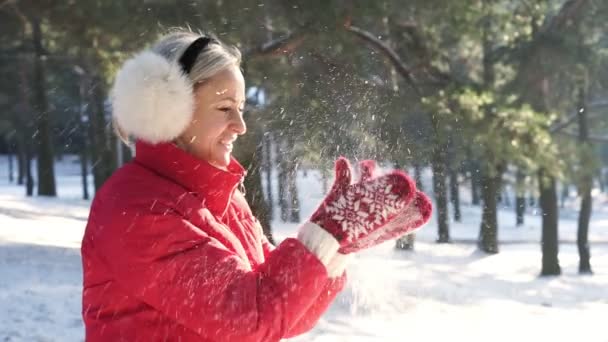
[
  {"x": 351, "y": 212},
  {"x": 352, "y": 215},
  {"x": 411, "y": 217}
]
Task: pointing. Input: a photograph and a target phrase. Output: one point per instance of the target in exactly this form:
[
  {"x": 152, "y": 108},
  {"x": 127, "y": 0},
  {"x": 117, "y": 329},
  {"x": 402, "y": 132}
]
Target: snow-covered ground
[{"x": 435, "y": 293}]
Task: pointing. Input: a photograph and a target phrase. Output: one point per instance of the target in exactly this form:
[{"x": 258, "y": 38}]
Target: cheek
[{"x": 207, "y": 132}]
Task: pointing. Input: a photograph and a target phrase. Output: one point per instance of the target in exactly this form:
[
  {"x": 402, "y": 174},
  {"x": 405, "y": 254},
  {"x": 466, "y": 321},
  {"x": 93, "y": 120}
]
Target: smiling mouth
[{"x": 228, "y": 144}]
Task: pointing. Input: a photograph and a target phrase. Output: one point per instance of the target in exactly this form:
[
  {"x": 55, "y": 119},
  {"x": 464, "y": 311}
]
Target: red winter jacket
[{"x": 172, "y": 252}]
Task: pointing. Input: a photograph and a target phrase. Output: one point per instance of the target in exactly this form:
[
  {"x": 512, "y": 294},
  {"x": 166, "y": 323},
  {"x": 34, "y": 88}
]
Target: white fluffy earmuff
[{"x": 152, "y": 99}]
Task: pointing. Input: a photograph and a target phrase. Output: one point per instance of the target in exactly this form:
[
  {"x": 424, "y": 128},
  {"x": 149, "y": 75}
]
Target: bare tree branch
[
  {"x": 18, "y": 13},
  {"x": 598, "y": 104},
  {"x": 7, "y": 2},
  {"x": 403, "y": 69},
  {"x": 558, "y": 126},
  {"x": 592, "y": 138},
  {"x": 279, "y": 46},
  {"x": 565, "y": 16}
]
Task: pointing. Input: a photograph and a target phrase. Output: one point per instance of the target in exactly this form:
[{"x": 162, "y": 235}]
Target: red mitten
[
  {"x": 413, "y": 216},
  {"x": 351, "y": 212}
]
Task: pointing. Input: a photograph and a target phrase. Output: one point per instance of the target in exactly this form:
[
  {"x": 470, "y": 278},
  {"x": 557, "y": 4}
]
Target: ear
[
  {"x": 343, "y": 174},
  {"x": 367, "y": 169}
]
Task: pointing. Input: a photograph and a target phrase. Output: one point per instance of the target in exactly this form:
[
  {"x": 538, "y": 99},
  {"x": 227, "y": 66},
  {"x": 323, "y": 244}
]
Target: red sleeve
[
  {"x": 312, "y": 315},
  {"x": 318, "y": 307},
  {"x": 176, "y": 268}
]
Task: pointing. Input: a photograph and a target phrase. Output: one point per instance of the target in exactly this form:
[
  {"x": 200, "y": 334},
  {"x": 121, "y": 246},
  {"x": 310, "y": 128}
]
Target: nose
[{"x": 238, "y": 124}]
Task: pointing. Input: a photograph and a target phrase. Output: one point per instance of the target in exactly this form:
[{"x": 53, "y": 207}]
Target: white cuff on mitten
[
  {"x": 319, "y": 242},
  {"x": 338, "y": 264}
]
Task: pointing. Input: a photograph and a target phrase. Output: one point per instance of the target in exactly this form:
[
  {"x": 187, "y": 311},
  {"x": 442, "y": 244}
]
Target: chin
[{"x": 221, "y": 162}]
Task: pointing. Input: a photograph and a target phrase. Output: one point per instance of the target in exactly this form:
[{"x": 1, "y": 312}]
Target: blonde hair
[{"x": 214, "y": 58}]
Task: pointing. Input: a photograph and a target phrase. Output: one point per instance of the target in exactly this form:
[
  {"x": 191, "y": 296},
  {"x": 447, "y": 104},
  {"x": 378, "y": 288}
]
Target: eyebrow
[{"x": 231, "y": 99}]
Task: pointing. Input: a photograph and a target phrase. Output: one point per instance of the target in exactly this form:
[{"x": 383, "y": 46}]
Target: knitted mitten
[
  {"x": 410, "y": 218},
  {"x": 353, "y": 212}
]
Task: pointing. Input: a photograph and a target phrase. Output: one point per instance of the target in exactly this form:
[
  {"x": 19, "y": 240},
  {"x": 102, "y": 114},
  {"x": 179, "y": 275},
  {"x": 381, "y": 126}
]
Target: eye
[{"x": 225, "y": 109}]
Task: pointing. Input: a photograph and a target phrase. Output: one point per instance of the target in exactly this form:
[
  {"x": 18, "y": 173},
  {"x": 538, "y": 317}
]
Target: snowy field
[{"x": 436, "y": 293}]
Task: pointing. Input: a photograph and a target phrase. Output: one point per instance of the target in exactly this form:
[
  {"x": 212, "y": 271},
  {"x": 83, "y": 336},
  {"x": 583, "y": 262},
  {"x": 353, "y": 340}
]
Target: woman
[{"x": 172, "y": 251}]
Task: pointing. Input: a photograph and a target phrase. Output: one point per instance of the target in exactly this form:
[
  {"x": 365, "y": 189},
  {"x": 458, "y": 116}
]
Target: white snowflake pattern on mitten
[
  {"x": 352, "y": 211},
  {"x": 361, "y": 208},
  {"x": 409, "y": 219}
]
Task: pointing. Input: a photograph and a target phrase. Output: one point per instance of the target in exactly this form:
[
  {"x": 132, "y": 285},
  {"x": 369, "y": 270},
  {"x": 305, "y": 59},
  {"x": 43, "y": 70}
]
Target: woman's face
[{"x": 218, "y": 118}]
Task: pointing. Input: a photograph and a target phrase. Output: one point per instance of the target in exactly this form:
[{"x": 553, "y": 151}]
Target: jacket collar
[{"x": 214, "y": 186}]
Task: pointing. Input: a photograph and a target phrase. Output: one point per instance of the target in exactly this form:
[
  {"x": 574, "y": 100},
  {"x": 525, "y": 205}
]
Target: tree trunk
[
  {"x": 292, "y": 187},
  {"x": 282, "y": 181},
  {"x": 440, "y": 191},
  {"x": 24, "y": 122},
  {"x": 118, "y": 151},
  {"x": 418, "y": 176},
  {"x": 325, "y": 180},
  {"x": 115, "y": 150},
  {"x": 455, "y": 195},
  {"x": 42, "y": 137},
  {"x": 249, "y": 154},
  {"x": 84, "y": 172},
  {"x": 84, "y": 146},
  {"x": 406, "y": 242},
  {"x": 488, "y": 231},
  {"x": 564, "y": 194},
  {"x": 294, "y": 201},
  {"x": 127, "y": 152},
  {"x": 520, "y": 197},
  {"x": 582, "y": 241},
  {"x": 11, "y": 177},
  {"x": 520, "y": 210},
  {"x": 268, "y": 173},
  {"x": 475, "y": 182},
  {"x": 532, "y": 200},
  {"x": 505, "y": 200},
  {"x": 550, "y": 242},
  {"x": 29, "y": 179},
  {"x": 20, "y": 158},
  {"x": 492, "y": 169},
  {"x": 103, "y": 163}
]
